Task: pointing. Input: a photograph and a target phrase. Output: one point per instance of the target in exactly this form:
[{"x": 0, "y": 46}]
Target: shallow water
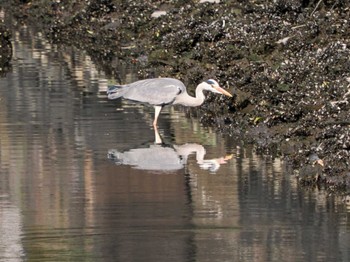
[{"x": 81, "y": 178}]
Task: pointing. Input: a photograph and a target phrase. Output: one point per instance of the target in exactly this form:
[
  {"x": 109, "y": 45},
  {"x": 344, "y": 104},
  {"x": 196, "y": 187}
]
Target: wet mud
[{"x": 286, "y": 62}]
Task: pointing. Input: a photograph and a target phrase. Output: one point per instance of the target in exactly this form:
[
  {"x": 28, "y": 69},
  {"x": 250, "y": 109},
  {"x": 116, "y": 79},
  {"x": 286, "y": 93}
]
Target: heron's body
[{"x": 163, "y": 91}]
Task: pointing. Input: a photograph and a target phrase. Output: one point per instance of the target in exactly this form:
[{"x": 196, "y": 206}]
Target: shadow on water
[{"x": 197, "y": 196}]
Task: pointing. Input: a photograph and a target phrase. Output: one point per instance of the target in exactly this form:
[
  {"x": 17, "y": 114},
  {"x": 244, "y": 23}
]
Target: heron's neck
[{"x": 187, "y": 100}]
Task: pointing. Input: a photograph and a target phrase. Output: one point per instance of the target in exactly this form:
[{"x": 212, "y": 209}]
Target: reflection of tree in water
[{"x": 5, "y": 50}]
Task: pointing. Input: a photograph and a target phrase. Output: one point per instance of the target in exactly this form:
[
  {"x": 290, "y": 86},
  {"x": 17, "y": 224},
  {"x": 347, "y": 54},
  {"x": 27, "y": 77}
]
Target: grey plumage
[
  {"x": 166, "y": 89},
  {"x": 163, "y": 91}
]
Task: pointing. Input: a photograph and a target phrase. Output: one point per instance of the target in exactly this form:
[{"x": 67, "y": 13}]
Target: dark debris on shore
[{"x": 286, "y": 62}]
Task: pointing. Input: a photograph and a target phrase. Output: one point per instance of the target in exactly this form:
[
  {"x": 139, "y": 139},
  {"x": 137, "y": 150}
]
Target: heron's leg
[
  {"x": 156, "y": 114},
  {"x": 157, "y": 138}
]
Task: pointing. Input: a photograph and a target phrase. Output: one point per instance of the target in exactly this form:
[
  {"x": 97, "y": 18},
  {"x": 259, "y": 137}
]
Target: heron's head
[{"x": 213, "y": 86}]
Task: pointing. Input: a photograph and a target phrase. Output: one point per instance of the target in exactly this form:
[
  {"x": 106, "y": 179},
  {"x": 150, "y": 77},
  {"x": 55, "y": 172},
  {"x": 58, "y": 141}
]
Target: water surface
[{"x": 81, "y": 178}]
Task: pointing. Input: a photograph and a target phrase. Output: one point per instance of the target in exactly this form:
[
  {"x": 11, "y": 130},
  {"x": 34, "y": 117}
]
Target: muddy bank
[{"x": 286, "y": 62}]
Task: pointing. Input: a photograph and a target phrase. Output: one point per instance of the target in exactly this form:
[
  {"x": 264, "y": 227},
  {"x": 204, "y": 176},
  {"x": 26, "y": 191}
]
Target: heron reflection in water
[
  {"x": 160, "y": 92},
  {"x": 166, "y": 158}
]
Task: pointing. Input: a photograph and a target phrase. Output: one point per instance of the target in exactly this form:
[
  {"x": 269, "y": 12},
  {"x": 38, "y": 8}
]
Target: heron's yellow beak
[{"x": 222, "y": 91}]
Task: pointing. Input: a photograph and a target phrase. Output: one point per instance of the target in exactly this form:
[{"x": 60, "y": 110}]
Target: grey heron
[{"x": 160, "y": 92}]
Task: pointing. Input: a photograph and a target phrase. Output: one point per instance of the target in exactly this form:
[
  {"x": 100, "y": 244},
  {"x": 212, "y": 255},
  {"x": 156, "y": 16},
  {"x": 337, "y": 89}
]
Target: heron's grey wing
[{"x": 156, "y": 91}]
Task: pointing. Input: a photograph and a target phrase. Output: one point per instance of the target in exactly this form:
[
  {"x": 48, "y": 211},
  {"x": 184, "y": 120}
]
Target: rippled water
[{"x": 82, "y": 180}]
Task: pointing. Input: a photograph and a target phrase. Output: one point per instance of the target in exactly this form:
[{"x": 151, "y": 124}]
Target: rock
[{"x": 158, "y": 13}]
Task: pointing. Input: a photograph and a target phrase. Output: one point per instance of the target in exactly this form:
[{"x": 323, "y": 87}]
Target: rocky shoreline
[{"x": 286, "y": 62}]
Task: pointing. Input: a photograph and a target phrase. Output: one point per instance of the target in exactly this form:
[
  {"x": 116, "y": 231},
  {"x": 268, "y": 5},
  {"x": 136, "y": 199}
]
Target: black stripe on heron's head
[{"x": 211, "y": 82}]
